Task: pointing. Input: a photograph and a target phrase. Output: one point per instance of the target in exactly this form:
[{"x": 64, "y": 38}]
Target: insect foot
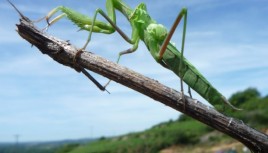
[
  {"x": 182, "y": 99},
  {"x": 77, "y": 54}
]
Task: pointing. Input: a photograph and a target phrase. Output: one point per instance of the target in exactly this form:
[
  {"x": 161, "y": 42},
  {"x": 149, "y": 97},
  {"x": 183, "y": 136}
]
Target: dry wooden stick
[{"x": 64, "y": 53}]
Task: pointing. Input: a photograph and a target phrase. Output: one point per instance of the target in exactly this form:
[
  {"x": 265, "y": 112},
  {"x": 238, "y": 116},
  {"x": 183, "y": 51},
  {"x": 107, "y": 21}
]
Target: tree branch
[{"x": 64, "y": 53}]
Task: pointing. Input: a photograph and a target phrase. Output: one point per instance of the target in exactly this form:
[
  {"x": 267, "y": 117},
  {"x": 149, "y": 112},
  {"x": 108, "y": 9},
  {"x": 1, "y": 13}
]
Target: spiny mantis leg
[
  {"x": 82, "y": 69},
  {"x": 53, "y": 21},
  {"x": 99, "y": 27},
  {"x": 49, "y": 15},
  {"x": 183, "y": 13},
  {"x": 134, "y": 40},
  {"x": 102, "y": 88},
  {"x": 112, "y": 22}
]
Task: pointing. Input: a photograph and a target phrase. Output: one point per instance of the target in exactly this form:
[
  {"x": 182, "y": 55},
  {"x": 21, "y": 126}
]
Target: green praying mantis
[{"x": 155, "y": 36}]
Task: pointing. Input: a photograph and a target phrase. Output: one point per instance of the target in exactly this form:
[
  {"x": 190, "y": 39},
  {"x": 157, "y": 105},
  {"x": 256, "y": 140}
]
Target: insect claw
[
  {"x": 182, "y": 99},
  {"x": 47, "y": 20}
]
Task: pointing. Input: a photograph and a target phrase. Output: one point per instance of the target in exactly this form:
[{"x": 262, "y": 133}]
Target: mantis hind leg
[{"x": 182, "y": 14}]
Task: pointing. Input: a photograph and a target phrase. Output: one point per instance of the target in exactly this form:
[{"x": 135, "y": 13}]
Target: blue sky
[{"x": 42, "y": 100}]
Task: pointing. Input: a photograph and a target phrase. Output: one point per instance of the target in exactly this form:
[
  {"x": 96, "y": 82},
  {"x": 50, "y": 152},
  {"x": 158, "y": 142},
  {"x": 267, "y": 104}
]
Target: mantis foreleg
[{"x": 93, "y": 25}]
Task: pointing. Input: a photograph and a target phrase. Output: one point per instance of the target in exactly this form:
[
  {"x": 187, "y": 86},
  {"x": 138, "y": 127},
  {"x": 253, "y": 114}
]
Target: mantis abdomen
[{"x": 192, "y": 77}]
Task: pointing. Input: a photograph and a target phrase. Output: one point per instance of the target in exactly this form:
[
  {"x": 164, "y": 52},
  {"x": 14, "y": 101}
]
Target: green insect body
[
  {"x": 153, "y": 35},
  {"x": 193, "y": 77}
]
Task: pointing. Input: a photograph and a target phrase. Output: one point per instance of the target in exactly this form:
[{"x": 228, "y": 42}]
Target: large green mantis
[{"x": 154, "y": 35}]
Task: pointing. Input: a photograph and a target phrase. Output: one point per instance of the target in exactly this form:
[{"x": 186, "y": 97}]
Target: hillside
[{"x": 184, "y": 134}]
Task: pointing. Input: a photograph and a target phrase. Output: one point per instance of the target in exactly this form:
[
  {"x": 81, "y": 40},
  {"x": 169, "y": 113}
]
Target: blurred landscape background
[{"x": 174, "y": 136}]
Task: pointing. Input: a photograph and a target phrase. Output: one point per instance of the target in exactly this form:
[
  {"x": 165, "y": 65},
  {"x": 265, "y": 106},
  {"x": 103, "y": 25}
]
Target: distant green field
[
  {"x": 184, "y": 131},
  {"x": 182, "y": 135}
]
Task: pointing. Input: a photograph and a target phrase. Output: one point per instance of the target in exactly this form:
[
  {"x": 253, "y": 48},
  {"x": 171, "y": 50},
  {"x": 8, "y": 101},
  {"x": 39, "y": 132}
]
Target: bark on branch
[{"x": 63, "y": 52}]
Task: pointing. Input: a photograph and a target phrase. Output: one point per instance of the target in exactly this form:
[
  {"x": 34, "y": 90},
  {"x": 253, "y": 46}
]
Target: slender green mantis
[{"x": 155, "y": 36}]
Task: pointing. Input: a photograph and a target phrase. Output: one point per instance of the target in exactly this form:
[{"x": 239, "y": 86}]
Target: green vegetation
[
  {"x": 152, "y": 140},
  {"x": 67, "y": 148},
  {"x": 182, "y": 135},
  {"x": 255, "y": 108},
  {"x": 185, "y": 131}
]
